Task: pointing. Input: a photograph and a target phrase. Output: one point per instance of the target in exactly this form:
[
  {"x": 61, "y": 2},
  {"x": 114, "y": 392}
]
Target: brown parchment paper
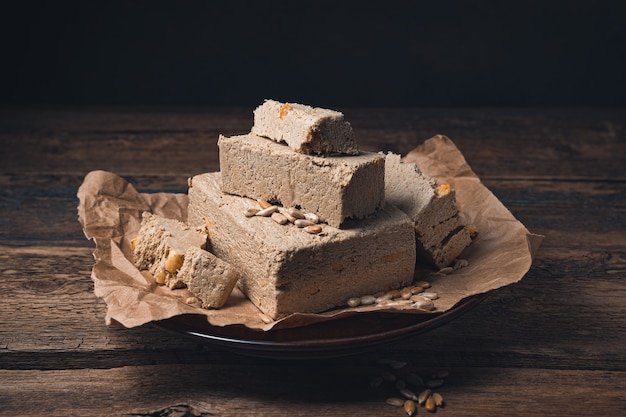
[{"x": 110, "y": 211}]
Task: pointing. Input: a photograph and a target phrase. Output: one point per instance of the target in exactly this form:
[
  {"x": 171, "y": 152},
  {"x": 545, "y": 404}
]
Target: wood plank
[
  {"x": 522, "y": 324},
  {"x": 302, "y": 389},
  {"x": 512, "y": 142}
]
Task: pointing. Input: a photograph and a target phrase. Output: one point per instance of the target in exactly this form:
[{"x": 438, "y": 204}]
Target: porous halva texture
[
  {"x": 209, "y": 278},
  {"x": 335, "y": 188},
  {"x": 440, "y": 232},
  {"x": 285, "y": 270},
  {"x": 160, "y": 247},
  {"x": 305, "y": 129}
]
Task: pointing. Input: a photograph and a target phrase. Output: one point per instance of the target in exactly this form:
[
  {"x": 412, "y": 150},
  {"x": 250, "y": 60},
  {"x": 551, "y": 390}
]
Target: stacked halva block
[{"x": 369, "y": 216}]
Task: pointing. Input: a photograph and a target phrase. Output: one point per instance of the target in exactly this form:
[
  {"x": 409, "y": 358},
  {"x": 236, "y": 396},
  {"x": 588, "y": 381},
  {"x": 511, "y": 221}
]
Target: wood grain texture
[{"x": 551, "y": 345}]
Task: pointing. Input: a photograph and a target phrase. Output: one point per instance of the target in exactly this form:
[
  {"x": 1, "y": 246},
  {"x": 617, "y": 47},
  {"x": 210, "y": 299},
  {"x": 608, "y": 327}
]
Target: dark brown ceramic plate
[{"x": 342, "y": 337}]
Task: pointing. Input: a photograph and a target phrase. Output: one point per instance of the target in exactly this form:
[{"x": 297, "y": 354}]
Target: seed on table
[
  {"x": 312, "y": 217},
  {"x": 438, "y": 399},
  {"x": 267, "y": 212},
  {"x": 434, "y": 383},
  {"x": 409, "y": 394},
  {"x": 368, "y": 299},
  {"x": 279, "y": 218},
  {"x": 315, "y": 229},
  {"x": 388, "y": 376},
  {"x": 410, "y": 407},
  {"x": 354, "y": 302},
  {"x": 443, "y": 373},
  {"x": 376, "y": 382},
  {"x": 421, "y": 399},
  {"x": 295, "y": 213},
  {"x": 396, "y": 364},
  {"x": 395, "y": 401},
  {"x": 430, "y": 405},
  {"x": 303, "y": 223},
  {"x": 250, "y": 212},
  {"x": 415, "y": 380},
  {"x": 264, "y": 204}
]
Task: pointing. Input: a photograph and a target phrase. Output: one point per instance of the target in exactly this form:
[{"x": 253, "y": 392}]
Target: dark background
[{"x": 387, "y": 53}]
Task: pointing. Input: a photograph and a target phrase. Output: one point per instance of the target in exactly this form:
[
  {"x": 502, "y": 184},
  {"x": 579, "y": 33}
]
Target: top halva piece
[{"x": 305, "y": 129}]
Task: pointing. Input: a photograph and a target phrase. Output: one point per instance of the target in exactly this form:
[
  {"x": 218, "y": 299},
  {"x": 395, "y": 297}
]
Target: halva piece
[
  {"x": 335, "y": 188},
  {"x": 285, "y": 270},
  {"x": 160, "y": 247},
  {"x": 439, "y": 229},
  {"x": 209, "y": 278},
  {"x": 308, "y": 130}
]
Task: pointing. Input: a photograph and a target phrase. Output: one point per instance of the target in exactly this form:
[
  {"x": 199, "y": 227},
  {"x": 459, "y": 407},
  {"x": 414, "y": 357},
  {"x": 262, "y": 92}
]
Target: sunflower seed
[
  {"x": 424, "y": 304},
  {"x": 421, "y": 399},
  {"x": 443, "y": 373},
  {"x": 264, "y": 204},
  {"x": 429, "y": 295},
  {"x": 430, "y": 405},
  {"x": 388, "y": 376},
  {"x": 265, "y": 318},
  {"x": 314, "y": 229},
  {"x": 266, "y": 212},
  {"x": 434, "y": 383},
  {"x": 417, "y": 289},
  {"x": 376, "y": 382},
  {"x": 438, "y": 399},
  {"x": 407, "y": 393},
  {"x": 395, "y": 401},
  {"x": 289, "y": 217},
  {"x": 368, "y": 299},
  {"x": 445, "y": 271},
  {"x": 395, "y": 364},
  {"x": 423, "y": 284},
  {"x": 406, "y": 293},
  {"x": 250, "y": 212},
  {"x": 303, "y": 223},
  {"x": 410, "y": 407},
  {"x": 415, "y": 380},
  {"x": 460, "y": 263},
  {"x": 354, "y": 302},
  {"x": 312, "y": 217},
  {"x": 395, "y": 303},
  {"x": 295, "y": 213},
  {"x": 279, "y": 218},
  {"x": 384, "y": 297}
]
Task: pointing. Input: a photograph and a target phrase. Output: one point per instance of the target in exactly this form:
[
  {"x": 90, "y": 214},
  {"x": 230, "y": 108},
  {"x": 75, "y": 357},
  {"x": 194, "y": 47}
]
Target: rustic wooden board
[{"x": 550, "y": 345}]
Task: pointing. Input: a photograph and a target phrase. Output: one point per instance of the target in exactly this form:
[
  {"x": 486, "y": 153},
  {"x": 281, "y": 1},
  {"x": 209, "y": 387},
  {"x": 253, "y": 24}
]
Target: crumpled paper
[{"x": 110, "y": 211}]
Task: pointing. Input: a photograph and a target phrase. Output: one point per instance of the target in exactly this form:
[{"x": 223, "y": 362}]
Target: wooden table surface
[{"x": 552, "y": 345}]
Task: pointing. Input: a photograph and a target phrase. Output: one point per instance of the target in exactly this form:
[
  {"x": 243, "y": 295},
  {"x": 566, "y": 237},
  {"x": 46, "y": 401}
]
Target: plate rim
[{"x": 319, "y": 347}]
